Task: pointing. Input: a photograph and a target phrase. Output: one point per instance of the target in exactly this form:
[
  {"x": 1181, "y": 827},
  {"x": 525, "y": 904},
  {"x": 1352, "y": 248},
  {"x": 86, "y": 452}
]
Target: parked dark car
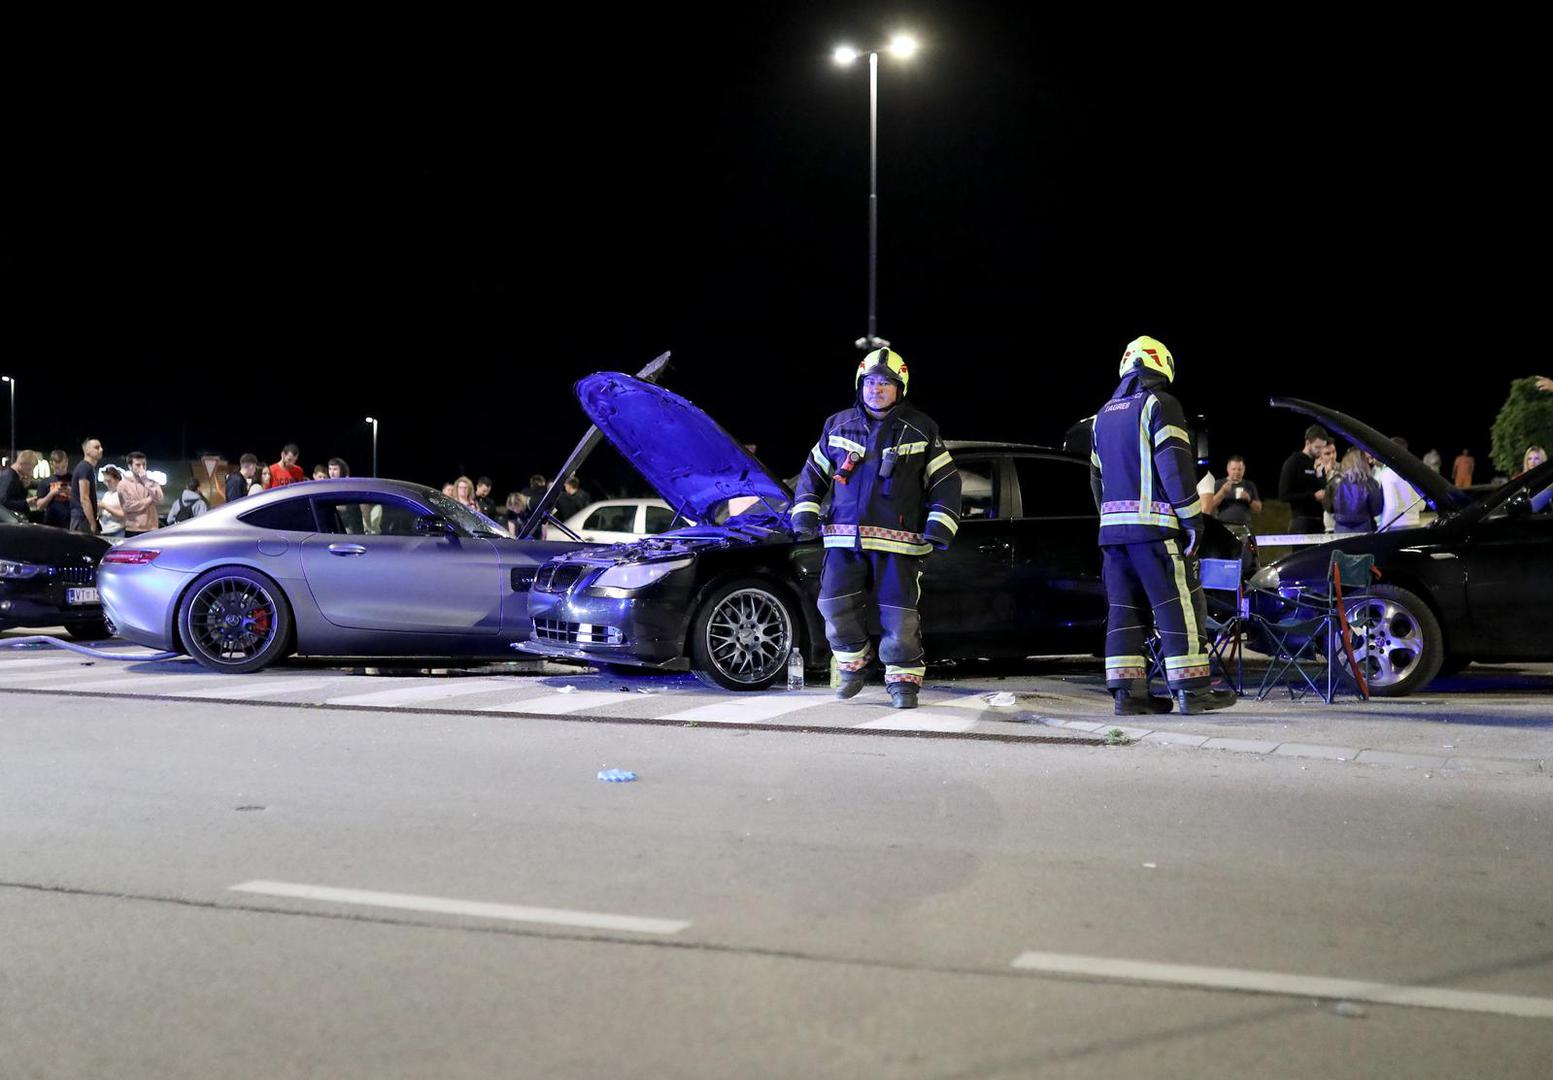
[
  {"x": 48, "y": 577},
  {"x": 1474, "y": 585},
  {"x": 730, "y": 598}
]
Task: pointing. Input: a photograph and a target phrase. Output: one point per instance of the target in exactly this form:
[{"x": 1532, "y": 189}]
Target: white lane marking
[
  {"x": 750, "y": 710},
  {"x": 130, "y": 682},
  {"x": 920, "y": 720},
  {"x": 442, "y": 905},
  {"x": 442, "y": 688},
  {"x": 237, "y": 689},
  {"x": 13, "y": 671},
  {"x": 1271, "y": 982},
  {"x": 554, "y": 704}
]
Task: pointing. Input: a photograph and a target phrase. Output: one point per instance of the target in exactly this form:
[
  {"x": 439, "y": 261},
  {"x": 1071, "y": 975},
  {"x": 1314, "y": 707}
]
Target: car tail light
[{"x": 130, "y": 556}]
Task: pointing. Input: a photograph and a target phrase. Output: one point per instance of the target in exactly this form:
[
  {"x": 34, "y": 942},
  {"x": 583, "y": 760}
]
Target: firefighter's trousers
[
  {"x": 1153, "y": 585},
  {"x": 895, "y": 583}
]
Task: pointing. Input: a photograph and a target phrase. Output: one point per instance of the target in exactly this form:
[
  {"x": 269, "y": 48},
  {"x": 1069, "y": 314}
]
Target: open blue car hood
[{"x": 682, "y": 452}]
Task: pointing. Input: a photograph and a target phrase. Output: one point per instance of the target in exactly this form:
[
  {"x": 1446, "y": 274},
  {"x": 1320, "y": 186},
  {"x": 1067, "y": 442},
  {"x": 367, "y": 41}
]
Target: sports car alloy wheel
[
  {"x": 234, "y": 620},
  {"x": 742, "y": 638},
  {"x": 1396, "y": 639}
]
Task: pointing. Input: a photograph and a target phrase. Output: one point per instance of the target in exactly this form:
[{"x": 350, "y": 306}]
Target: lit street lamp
[
  {"x": 8, "y": 379},
  {"x": 903, "y": 46},
  {"x": 373, "y": 422}
]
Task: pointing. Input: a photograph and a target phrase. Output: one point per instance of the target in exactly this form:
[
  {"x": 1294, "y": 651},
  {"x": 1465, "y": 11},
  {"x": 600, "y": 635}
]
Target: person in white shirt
[
  {"x": 1402, "y": 501},
  {"x": 110, "y": 511}
]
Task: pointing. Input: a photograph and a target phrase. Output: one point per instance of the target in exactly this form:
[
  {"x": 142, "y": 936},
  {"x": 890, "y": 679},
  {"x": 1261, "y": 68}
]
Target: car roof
[{"x": 975, "y": 444}]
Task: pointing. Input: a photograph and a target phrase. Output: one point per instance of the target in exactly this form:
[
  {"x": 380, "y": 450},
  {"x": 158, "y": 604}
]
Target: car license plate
[{"x": 81, "y": 596}]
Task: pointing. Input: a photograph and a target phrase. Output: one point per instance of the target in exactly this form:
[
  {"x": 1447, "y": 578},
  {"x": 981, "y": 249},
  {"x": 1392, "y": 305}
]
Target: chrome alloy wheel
[
  {"x": 232, "y": 619},
  {"x": 1388, "y": 640},
  {"x": 749, "y": 635}
]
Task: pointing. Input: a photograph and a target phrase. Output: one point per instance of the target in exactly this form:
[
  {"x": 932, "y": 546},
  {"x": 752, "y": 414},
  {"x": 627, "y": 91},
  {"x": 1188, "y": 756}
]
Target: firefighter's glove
[
  {"x": 803, "y": 533},
  {"x": 939, "y": 545}
]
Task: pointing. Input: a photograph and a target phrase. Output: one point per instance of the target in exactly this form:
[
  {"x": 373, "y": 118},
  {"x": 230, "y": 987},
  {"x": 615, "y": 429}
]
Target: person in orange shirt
[{"x": 286, "y": 470}]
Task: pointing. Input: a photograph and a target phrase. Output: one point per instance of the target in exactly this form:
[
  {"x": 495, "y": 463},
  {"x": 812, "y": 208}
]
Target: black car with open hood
[
  {"x": 1474, "y": 585},
  {"x": 730, "y": 597}
]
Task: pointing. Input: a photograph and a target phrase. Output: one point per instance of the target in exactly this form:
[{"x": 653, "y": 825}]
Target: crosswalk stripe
[
  {"x": 750, "y": 710},
  {"x": 133, "y": 682},
  {"x": 440, "y": 690},
  {"x": 251, "y": 688},
  {"x": 560, "y": 704},
  {"x": 921, "y": 720}
]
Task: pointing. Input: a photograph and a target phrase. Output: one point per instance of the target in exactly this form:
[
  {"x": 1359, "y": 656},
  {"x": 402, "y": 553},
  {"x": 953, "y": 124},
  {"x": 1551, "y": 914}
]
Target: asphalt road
[{"x": 757, "y": 903}]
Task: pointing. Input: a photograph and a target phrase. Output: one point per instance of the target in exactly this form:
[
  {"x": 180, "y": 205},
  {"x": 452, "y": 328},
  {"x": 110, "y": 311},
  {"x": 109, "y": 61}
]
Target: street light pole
[
  {"x": 8, "y": 379},
  {"x": 373, "y": 422},
  {"x": 903, "y": 46},
  {"x": 872, "y": 340}
]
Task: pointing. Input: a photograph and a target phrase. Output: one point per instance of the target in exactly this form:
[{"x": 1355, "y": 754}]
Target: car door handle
[
  {"x": 999, "y": 547},
  {"x": 347, "y": 549}
]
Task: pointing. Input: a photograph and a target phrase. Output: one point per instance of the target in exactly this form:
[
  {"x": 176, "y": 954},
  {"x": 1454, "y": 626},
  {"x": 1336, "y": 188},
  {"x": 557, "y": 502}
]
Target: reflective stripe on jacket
[
  {"x": 1141, "y": 465},
  {"x": 901, "y": 493}
]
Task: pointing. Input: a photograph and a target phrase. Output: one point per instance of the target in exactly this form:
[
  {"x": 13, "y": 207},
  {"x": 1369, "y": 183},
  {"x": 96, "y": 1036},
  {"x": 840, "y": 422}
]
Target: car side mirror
[
  {"x": 432, "y": 525},
  {"x": 1519, "y": 505}
]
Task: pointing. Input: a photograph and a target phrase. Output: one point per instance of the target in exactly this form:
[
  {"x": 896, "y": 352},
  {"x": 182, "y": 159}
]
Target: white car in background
[{"x": 619, "y": 521}]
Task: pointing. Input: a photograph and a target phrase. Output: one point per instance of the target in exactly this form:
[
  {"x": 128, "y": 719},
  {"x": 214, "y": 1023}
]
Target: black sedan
[
  {"x": 1474, "y": 585},
  {"x": 730, "y": 597},
  {"x": 48, "y": 577}
]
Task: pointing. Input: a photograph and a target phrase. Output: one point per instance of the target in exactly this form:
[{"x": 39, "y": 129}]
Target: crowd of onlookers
[
  {"x": 1328, "y": 491},
  {"x": 111, "y": 500}
]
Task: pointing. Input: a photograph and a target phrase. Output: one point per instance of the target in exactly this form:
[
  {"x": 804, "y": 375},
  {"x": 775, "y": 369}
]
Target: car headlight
[
  {"x": 638, "y": 575},
  {"x": 9, "y": 568},
  {"x": 1266, "y": 579}
]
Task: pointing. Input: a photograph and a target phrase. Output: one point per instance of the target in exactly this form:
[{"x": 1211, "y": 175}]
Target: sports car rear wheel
[
  {"x": 234, "y": 619},
  {"x": 741, "y": 637},
  {"x": 1396, "y": 640}
]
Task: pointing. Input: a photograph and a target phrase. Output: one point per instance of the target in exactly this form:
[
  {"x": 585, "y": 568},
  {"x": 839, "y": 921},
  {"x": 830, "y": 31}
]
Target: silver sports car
[{"x": 346, "y": 567}]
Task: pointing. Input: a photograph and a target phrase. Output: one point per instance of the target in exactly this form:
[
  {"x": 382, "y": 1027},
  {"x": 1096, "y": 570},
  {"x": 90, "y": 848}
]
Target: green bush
[{"x": 1525, "y": 420}]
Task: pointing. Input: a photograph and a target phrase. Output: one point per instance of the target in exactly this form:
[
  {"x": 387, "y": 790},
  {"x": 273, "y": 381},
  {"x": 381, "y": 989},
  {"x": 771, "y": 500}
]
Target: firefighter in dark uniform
[
  {"x": 895, "y": 497},
  {"x": 1150, "y": 523}
]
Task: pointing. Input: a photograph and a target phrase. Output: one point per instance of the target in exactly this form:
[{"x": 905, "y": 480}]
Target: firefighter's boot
[
  {"x": 903, "y": 695},
  {"x": 1201, "y": 701}
]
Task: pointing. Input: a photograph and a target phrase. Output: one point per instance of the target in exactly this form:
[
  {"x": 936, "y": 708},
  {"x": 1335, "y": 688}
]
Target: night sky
[{"x": 269, "y": 232}]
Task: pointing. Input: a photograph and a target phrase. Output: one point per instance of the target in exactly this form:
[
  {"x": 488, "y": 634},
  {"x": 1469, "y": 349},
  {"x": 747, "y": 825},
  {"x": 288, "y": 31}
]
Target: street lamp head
[
  {"x": 844, "y": 55},
  {"x": 370, "y": 420},
  {"x": 903, "y": 46},
  {"x": 5, "y": 378}
]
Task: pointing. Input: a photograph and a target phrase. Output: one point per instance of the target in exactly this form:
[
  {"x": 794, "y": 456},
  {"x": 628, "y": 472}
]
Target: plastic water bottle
[{"x": 795, "y": 670}]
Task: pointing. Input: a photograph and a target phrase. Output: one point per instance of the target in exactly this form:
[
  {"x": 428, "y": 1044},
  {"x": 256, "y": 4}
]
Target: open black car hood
[
  {"x": 682, "y": 452},
  {"x": 1441, "y": 495}
]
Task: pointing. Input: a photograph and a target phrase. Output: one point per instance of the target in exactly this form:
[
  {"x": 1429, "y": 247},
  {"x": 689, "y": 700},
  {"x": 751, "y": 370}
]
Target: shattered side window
[{"x": 469, "y": 521}]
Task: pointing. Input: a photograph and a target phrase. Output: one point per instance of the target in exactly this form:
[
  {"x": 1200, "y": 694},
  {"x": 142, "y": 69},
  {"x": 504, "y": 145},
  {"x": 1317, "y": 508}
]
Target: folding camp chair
[
  {"x": 1309, "y": 641},
  {"x": 1226, "y": 620}
]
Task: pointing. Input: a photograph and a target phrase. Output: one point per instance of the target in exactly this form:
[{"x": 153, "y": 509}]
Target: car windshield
[{"x": 470, "y": 521}]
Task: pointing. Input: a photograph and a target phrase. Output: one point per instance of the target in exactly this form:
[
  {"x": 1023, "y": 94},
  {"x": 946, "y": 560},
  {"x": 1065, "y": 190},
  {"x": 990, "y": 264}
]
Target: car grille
[
  {"x": 556, "y": 579},
  {"x": 570, "y": 633},
  {"x": 74, "y": 575}
]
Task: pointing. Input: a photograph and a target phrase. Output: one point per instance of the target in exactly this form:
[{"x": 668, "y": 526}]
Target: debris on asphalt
[
  {"x": 639, "y": 690},
  {"x": 566, "y": 689},
  {"x": 1350, "y": 1010},
  {"x": 616, "y": 776},
  {"x": 1000, "y": 700},
  {"x": 1151, "y": 866}
]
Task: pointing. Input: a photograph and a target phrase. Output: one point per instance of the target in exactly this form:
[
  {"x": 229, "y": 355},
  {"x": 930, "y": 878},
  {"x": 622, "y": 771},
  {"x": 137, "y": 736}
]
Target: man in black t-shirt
[
  {"x": 1300, "y": 487},
  {"x": 1237, "y": 498},
  {"x": 53, "y": 494},
  {"x": 83, "y": 489},
  {"x": 13, "y": 483}
]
